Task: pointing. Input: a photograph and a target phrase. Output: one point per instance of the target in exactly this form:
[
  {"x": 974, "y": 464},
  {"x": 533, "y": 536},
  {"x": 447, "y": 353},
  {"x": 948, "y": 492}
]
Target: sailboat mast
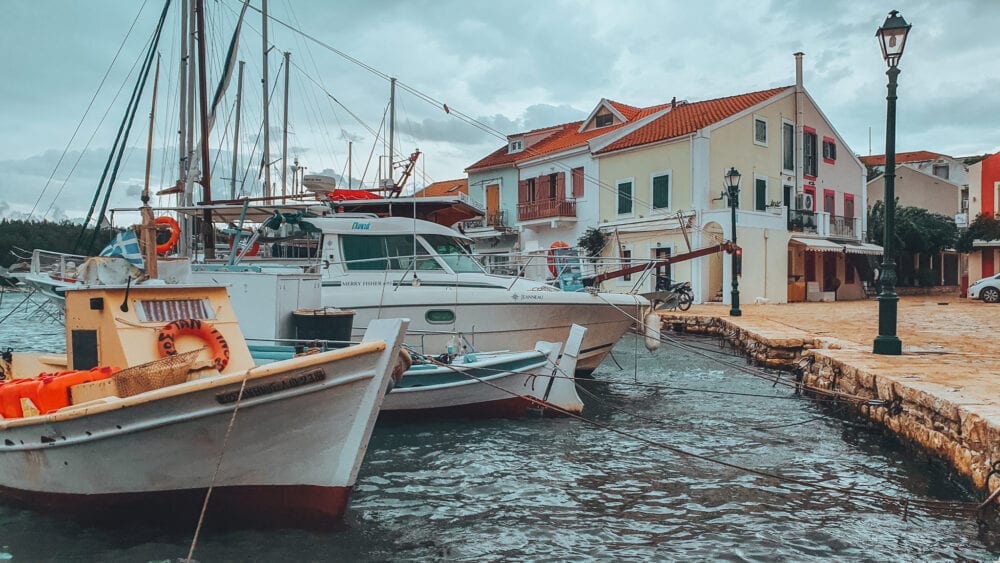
[
  {"x": 148, "y": 227},
  {"x": 182, "y": 115},
  {"x": 350, "y": 146},
  {"x": 284, "y": 137},
  {"x": 267, "y": 121},
  {"x": 236, "y": 130},
  {"x": 206, "y": 173},
  {"x": 392, "y": 122}
]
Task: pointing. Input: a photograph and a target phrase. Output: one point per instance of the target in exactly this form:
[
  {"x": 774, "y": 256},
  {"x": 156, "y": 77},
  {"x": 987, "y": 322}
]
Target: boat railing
[{"x": 58, "y": 265}]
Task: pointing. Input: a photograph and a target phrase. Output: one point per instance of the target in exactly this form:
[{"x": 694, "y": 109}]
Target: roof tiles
[
  {"x": 901, "y": 157},
  {"x": 687, "y": 118}
]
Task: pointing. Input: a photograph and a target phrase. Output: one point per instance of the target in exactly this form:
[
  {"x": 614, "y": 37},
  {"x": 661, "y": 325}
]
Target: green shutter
[
  {"x": 624, "y": 198},
  {"x": 661, "y": 192},
  {"x": 761, "y": 194}
]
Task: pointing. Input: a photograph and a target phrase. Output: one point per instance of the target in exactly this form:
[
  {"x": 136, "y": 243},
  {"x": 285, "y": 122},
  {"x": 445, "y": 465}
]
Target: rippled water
[{"x": 564, "y": 489}]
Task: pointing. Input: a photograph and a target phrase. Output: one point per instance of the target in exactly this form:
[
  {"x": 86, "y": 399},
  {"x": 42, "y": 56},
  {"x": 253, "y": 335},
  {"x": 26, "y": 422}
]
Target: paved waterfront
[{"x": 951, "y": 340}]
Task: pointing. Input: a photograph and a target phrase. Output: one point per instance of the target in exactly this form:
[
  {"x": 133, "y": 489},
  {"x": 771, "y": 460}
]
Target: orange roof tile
[
  {"x": 901, "y": 157},
  {"x": 567, "y": 138},
  {"x": 628, "y": 111},
  {"x": 445, "y": 188},
  {"x": 689, "y": 117}
]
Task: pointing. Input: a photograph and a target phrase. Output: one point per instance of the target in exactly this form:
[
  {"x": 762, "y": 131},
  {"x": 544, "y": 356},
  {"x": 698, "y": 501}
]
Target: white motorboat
[
  {"x": 400, "y": 267},
  {"x": 497, "y": 384}
]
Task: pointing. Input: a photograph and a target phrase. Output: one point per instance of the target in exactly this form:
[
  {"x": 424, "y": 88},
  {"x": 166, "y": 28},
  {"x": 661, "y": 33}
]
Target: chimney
[
  {"x": 673, "y": 102},
  {"x": 798, "y": 70}
]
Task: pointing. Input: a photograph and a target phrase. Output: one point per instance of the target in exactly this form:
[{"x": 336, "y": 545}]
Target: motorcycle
[{"x": 678, "y": 295}]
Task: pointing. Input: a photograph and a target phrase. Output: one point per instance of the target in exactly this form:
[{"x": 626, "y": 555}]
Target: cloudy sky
[{"x": 510, "y": 66}]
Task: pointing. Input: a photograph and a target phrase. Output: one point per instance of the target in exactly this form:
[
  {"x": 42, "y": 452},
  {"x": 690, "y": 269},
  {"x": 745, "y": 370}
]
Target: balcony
[
  {"x": 844, "y": 227},
  {"x": 494, "y": 219},
  {"x": 801, "y": 221},
  {"x": 546, "y": 209}
]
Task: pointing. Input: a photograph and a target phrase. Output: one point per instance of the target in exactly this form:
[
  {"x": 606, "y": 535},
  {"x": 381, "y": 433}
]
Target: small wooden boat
[
  {"x": 497, "y": 384},
  {"x": 187, "y": 412}
]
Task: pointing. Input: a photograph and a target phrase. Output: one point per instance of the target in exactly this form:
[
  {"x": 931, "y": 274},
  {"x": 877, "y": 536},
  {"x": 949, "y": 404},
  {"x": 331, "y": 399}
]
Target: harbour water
[{"x": 568, "y": 489}]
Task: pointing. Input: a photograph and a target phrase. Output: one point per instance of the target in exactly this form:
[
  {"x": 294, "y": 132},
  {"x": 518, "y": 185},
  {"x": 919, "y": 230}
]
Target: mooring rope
[
  {"x": 850, "y": 492},
  {"x": 218, "y": 466}
]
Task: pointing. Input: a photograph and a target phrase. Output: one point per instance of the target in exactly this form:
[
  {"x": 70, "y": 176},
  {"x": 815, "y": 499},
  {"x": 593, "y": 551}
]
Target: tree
[
  {"x": 592, "y": 241},
  {"x": 917, "y": 232},
  {"x": 983, "y": 227},
  {"x": 29, "y": 235}
]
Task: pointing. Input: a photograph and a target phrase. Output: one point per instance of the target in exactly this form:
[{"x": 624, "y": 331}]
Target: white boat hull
[
  {"x": 495, "y": 318},
  {"x": 291, "y": 457}
]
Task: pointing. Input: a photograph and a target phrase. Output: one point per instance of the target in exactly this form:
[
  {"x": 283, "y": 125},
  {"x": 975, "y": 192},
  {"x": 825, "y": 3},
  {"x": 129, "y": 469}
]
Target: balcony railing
[
  {"x": 494, "y": 219},
  {"x": 545, "y": 209},
  {"x": 801, "y": 221},
  {"x": 846, "y": 227}
]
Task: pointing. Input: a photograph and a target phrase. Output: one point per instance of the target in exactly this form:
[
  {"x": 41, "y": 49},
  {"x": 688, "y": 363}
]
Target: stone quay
[{"x": 942, "y": 395}]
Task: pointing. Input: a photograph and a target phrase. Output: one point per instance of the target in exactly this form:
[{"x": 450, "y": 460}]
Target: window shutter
[
  {"x": 522, "y": 191},
  {"x": 578, "y": 182},
  {"x": 561, "y": 186},
  {"x": 541, "y": 187}
]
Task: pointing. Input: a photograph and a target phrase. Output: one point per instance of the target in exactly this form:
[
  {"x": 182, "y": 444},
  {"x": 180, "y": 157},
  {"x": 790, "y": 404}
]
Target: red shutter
[
  {"x": 561, "y": 186},
  {"x": 522, "y": 191}
]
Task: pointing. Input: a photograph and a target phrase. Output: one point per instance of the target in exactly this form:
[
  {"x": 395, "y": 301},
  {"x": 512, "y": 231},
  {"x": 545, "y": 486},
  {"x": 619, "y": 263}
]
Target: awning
[
  {"x": 979, "y": 243},
  {"x": 862, "y": 248},
  {"x": 818, "y": 244}
]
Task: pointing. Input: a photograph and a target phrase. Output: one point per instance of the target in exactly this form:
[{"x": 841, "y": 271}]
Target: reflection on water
[{"x": 562, "y": 489}]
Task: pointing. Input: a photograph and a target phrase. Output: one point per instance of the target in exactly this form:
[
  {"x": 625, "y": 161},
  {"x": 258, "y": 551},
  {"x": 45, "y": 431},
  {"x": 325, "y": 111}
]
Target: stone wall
[{"x": 934, "y": 425}]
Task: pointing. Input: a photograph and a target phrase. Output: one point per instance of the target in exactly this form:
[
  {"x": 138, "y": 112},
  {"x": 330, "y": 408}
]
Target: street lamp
[
  {"x": 733, "y": 191},
  {"x": 892, "y": 37}
]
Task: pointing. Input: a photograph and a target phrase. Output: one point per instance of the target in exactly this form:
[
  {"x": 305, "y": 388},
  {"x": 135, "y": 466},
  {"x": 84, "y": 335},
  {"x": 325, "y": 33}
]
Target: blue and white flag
[{"x": 126, "y": 245}]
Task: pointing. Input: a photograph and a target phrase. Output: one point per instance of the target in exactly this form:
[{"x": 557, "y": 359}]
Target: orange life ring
[
  {"x": 217, "y": 345},
  {"x": 253, "y": 249},
  {"x": 175, "y": 233},
  {"x": 552, "y": 255}
]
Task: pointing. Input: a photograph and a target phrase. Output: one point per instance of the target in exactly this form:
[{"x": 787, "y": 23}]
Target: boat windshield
[
  {"x": 454, "y": 253},
  {"x": 386, "y": 252}
]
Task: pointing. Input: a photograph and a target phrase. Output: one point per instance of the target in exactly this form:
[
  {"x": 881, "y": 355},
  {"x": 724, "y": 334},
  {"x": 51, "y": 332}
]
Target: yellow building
[{"x": 801, "y": 209}]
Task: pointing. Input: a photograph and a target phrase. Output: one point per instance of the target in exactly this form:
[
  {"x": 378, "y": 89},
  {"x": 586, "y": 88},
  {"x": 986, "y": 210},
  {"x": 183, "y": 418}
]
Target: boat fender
[
  {"x": 175, "y": 233},
  {"x": 652, "y": 331},
  {"x": 217, "y": 345}
]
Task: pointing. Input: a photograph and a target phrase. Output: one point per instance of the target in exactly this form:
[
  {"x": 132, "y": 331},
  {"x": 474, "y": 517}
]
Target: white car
[{"x": 987, "y": 289}]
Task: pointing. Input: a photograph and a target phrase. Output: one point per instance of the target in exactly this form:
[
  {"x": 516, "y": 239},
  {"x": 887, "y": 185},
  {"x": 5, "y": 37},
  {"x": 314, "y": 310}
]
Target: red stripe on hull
[
  {"x": 514, "y": 407},
  {"x": 258, "y": 506}
]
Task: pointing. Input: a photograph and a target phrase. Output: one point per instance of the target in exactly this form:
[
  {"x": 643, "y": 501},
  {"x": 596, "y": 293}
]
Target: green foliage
[
  {"x": 983, "y": 227},
  {"x": 917, "y": 230},
  {"x": 592, "y": 241},
  {"x": 57, "y": 237},
  {"x": 923, "y": 232}
]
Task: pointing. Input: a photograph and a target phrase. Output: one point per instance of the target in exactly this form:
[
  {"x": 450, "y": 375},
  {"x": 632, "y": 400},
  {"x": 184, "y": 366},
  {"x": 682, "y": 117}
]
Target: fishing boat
[
  {"x": 187, "y": 413},
  {"x": 497, "y": 384}
]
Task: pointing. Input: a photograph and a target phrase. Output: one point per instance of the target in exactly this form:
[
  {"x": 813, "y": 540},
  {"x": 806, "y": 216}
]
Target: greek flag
[{"x": 126, "y": 245}]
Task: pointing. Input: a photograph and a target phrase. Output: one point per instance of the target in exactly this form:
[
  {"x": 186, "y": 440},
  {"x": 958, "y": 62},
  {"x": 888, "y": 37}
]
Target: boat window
[
  {"x": 381, "y": 252},
  {"x": 454, "y": 253},
  {"x": 440, "y": 316}
]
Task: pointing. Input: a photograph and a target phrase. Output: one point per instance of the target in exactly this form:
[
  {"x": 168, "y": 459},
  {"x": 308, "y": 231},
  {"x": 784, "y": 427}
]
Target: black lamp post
[
  {"x": 892, "y": 36},
  {"x": 733, "y": 192}
]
